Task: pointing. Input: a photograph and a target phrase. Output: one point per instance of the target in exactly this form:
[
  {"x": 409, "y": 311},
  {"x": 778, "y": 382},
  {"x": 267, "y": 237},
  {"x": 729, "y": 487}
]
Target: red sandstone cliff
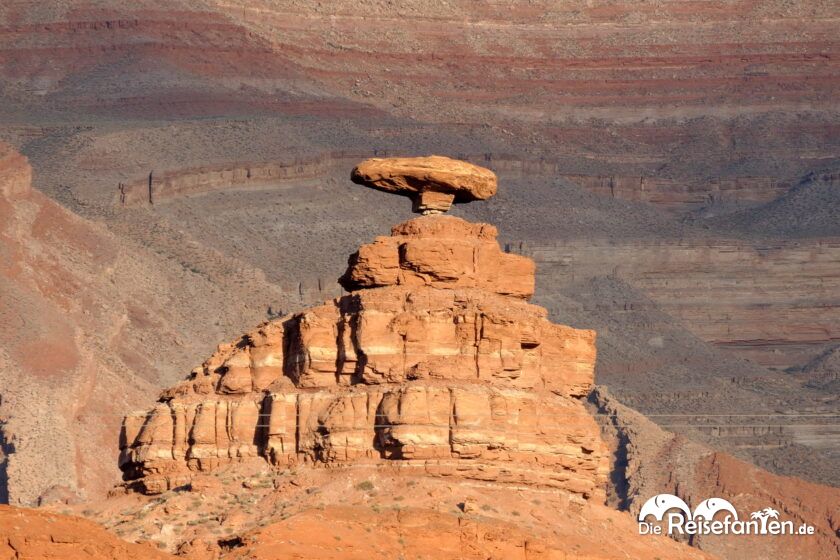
[
  {"x": 87, "y": 319},
  {"x": 434, "y": 360}
]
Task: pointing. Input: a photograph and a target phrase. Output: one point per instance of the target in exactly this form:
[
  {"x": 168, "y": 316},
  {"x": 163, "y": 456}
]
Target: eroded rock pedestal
[
  {"x": 433, "y": 183},
  {"x": 435, "y": 361}
]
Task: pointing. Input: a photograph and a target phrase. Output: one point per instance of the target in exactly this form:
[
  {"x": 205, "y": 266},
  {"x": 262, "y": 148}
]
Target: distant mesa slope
[
  {"x": 709, "y": 195},
  {"x": 773, "y": 302},
  {"x": 649, "y": 460},
  {"x": 822, "y": 372},
  {"x": 88, "y": 322},
  {"x": 613, "y": 89}
]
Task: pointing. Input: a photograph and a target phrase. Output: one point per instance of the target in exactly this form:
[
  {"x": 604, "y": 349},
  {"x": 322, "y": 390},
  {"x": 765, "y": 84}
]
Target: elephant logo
[
  {"x": 709, "y": 508},
  {"x": 659, "y": 504},
  {"x": 672, "y": 516}
]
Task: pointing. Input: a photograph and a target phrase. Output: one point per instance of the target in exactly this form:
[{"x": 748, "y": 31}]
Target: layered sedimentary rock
[
  {"x": 614, "y": 89},
  {"x": 414, "y": 256},
  {"x": 435, "y": 361},
  {"x": 92, "y": 326},
  {"x": 711, "y": 194},
  {"x": 650, "y": 461},
  {"x": 772, "y": 302},
  {"x": 610, "y": 81},
  {"x": 160, "y": 187}
]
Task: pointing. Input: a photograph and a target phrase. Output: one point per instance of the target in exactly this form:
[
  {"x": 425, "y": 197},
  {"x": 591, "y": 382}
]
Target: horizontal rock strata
[
  {"x": 775, "y": 303},
  {"x": 440, "y": 252},
  {"x": 435, "y": 362}
]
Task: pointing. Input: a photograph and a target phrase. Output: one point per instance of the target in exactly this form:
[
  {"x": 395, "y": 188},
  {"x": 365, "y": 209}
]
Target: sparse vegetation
[{"x": 365, "y": 486}]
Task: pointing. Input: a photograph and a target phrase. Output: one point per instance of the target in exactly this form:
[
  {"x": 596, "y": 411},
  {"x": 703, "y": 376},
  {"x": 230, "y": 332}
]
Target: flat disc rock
[{"x": 432, "y": 182}]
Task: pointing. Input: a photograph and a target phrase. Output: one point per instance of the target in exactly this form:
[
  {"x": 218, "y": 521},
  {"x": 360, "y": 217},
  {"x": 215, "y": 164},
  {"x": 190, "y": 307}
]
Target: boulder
[{"x": 433, "y": 182}]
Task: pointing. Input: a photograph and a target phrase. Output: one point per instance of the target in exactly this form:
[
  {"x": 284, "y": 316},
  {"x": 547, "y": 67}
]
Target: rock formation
[
  {"x": 434, "y": 361},
  {"x": 25, "y": 533},
  {"x": 433, "y": 183},
  {"x": 413, "y": 255},
  {"x": 681, "y": 106},
  {"x": 433, "y": 369},
  {"x": 433, "y": 380}
]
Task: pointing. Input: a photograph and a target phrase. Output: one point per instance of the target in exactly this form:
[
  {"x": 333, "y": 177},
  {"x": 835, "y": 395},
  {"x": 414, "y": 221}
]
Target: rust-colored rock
[
  {"x": 36, "y": 535},
  {"x": 434, "y": 360},
  {"x": 342, "y": 533},
  {"x": 433, "y": 385},
  {"x": 442, "y": 252},
  {"x": 15, "y": 172},
  {"x": 433, "y": 183},
  {"x": 66, "y": 375},
  {"x": 451, "y": 382}
]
